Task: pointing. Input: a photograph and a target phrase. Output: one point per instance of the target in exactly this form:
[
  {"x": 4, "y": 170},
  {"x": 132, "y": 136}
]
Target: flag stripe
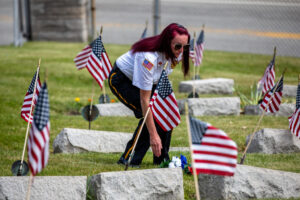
[
  {"x": 38, "y": 140},
  {"x": 29, "y": 99},
  {"x": 108, "y": 64},
  {"x": 212, "y": 143},
  {"x": 196, "y": 52},
  {"x": 215, "y": 162},
  {"x": 216, "y": 149},
  {"x": 95, "y": 70},
  {"x": 82, "y": 57},
  {"x": 268, "y": 80},
  {"x": 163, "y": 104},
  {"x": 96, "y": 60},
  {"x": 294, "y": 121},
  {"x": 222, "y": 167},
  {"x": 166, "y": 111},
  {"x": 164, "y": 124},
  {"x": 296, "y": 124},
  {"x": 213, "y": 151},
  {"x": 274, "y": 100},
  {"x": 214, "y": 169}
]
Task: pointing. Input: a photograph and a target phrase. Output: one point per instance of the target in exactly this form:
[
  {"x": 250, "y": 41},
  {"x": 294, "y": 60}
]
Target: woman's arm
[{"x": 155, "y": 141}]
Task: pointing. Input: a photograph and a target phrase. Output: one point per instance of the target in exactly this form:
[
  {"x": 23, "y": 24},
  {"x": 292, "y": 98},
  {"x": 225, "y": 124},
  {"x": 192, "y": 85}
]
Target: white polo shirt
[{"x": 143, "y": 68}]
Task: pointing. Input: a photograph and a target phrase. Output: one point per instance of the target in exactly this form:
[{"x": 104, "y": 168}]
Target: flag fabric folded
[
  {"x": 144, "y": 34},
  {"x": 82, "y": 57},
  {"x": 25, "y": 110},
  {"x": 294, "y": 120},
  {"x": 38, "y": 140},
  {"x": 196, "y": 52},
  {"x": 268, "y": 79},
  {"x": 192, "y": 55},
  {"x": 213, "y": 151},
  {"x": 163, "y": 104},
  {"x": 275, "y": 101},
  {"x": 96, "y": 60}
]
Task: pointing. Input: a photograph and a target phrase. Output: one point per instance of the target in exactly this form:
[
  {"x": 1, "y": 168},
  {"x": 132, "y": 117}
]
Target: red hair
[{"x": 162, "y": 43}]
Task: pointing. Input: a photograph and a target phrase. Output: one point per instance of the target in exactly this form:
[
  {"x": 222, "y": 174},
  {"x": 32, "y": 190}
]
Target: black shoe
[
  {"x": 158, "y": 161},
  {"x": 122, "y": 161}
]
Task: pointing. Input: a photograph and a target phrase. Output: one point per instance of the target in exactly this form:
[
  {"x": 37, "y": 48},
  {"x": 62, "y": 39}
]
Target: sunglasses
[{"x": 179, "y": 46}]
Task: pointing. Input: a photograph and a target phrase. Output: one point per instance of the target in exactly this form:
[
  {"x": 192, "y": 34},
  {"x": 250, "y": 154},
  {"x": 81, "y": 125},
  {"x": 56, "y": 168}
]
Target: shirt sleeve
[{"x": 144, "y": 64}]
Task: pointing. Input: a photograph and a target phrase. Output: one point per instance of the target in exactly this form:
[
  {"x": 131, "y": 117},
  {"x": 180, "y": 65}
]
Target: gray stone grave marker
[
  {"x": 162, "y": 183},
  {"x": 208, "y": 86}
]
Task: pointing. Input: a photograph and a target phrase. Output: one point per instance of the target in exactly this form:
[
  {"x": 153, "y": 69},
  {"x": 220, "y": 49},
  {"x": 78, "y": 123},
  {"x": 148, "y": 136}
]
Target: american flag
[
  {"x": 196, "y": 53},
  {"x": 213, "y": 151},
  {"x": 275, "y": 101},
  {"x": 95, "y": 59},
  {"x": 38, "y": 140},
  {"x": 294, "y": 120},
  {"x": 268, "y": 80},
  {"x": 163, "y": 104},
  {"x": 25, "y": 110}
]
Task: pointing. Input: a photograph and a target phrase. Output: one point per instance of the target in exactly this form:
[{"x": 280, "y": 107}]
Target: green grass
[{"x": 65, "y": 83}]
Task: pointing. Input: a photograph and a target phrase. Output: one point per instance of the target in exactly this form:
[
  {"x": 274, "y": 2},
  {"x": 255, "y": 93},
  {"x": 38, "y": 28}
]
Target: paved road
[
  {"x": 240, "y": 25},
  {"x": 230, "y": 25}
]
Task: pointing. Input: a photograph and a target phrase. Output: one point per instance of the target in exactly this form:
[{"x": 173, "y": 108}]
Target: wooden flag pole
[
  {"x": 91, "y": 105},
  {"x": 135, "y": 142},
  {"x": 194, "y": 66},
  {"x": 198, "y": 71},
  {"x": 29, "y": 187},
  {"x": 259, "y": 121},
  {"x": 191, "y": 151},
  {"x": 139, "y": 132},
  {"x": 28, "y": 124},
  {"x": 103, "y": 88},
  {"x": 30, "y": 182}
]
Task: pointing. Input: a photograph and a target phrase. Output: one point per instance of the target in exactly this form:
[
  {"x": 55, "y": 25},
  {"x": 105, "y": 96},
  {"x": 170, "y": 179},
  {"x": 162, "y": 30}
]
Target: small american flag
[
  {"x": 294, "y": 120},
  {"x": 25, "y": 110},
  {"x": 196, "y": 53},
  {"x": 213, "y": 151},
  {"x": 163, "y": 104},
  {"x": 268, "y": 80},
  {"x": 38, "y": 140},
  {"x": 275, "y": 101},
  {"x": 95, "y": 59}
]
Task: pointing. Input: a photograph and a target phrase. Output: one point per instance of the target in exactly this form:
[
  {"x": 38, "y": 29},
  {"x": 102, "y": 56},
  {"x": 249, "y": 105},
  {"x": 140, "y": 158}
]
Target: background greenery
[{"x": 65, "y": 83}]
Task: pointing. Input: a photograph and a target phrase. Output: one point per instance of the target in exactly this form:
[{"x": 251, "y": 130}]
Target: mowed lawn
[{"x": 65, "y": 83}]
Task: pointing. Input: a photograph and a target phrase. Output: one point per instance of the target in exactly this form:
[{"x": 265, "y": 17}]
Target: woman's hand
[{"x": 155, "y": 141}]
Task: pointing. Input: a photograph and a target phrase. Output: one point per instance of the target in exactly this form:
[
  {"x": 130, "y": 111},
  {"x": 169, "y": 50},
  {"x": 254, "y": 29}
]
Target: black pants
[{"x": 129, "y": 95}]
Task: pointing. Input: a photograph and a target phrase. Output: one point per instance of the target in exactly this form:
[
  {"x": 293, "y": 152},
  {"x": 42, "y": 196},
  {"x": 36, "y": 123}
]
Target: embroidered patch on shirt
[{"x": 147, "y": 64}]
